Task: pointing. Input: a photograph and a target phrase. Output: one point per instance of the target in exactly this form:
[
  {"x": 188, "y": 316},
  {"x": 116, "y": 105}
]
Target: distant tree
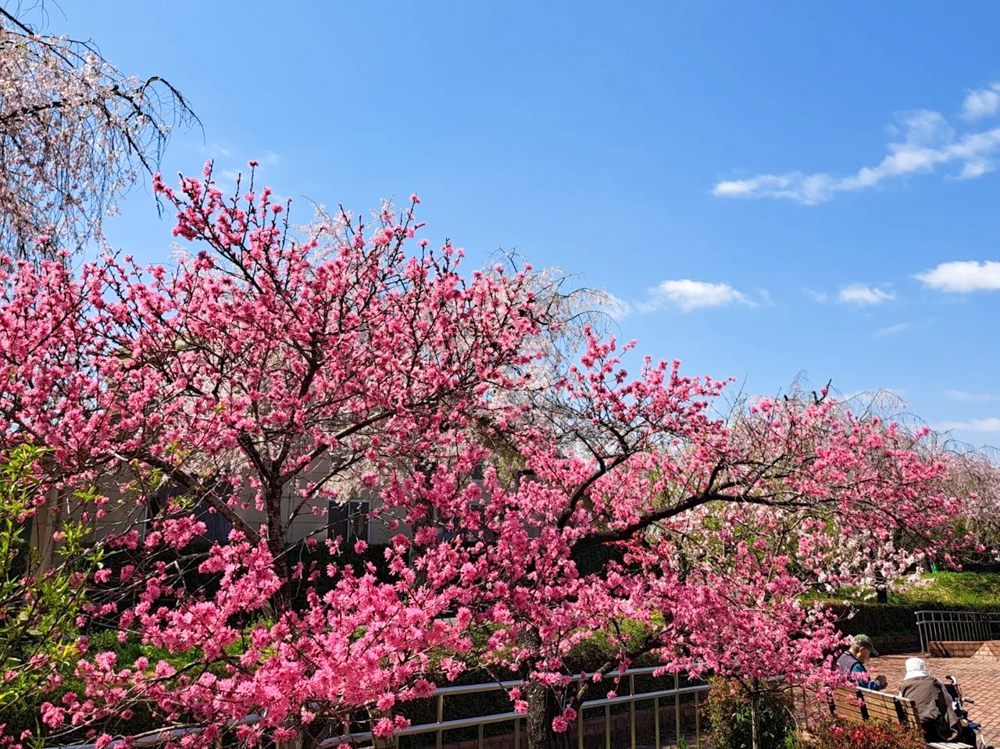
[
  {"x": 976, "y": 474},
  {"x": 74, "y": 134}
]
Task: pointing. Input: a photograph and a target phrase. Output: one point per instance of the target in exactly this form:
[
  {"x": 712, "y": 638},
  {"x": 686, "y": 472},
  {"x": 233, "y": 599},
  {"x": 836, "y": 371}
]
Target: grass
[
  {"x": 953, "y": 588},
  {"x": 944, "y": 588}
]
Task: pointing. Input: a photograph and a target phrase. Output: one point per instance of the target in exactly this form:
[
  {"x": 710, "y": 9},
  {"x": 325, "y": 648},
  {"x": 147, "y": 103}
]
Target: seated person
[
  {"x": 934, "y": 705},
  {"x": 852, "y": 663}
]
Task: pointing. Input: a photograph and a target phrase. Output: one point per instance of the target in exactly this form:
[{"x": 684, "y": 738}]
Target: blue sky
[{"x": 768, "y": 188}]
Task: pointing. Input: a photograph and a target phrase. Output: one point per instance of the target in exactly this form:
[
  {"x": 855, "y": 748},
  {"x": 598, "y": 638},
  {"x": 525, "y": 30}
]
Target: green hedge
[
  {"x": 886, "y": 619},
  {"x": 892, "y": 626}
]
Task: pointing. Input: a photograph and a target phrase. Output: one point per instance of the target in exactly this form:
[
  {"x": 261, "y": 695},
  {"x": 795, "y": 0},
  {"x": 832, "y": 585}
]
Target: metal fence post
[
  {"x": 677, "y": 708},
  {"x": 607, "y": 727},
  {"x": 656, "y": 720},
  {"x": 631, "y": 709},
  {"x": 697, "y": 722},
  {"x": 439, "y": 741}
]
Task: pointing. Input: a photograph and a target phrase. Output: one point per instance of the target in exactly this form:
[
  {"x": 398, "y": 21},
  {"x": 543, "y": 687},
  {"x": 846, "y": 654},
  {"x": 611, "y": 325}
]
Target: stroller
[{"x": 958, "y": 703}]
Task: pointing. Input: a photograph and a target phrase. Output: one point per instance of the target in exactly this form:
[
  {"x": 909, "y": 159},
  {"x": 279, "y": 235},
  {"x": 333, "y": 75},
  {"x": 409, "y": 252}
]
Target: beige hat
[{"x": 864, "y": 641}]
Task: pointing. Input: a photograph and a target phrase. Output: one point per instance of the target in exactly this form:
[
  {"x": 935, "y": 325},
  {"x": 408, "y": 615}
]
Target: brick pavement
[{"x": 979, "y": 680}]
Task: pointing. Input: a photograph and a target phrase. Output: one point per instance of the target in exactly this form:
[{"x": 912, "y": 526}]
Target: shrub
[
  {"x": 841, "y": 734},
  {"x": 729, "y": 713},
  {"x": 893, "y": 627}
]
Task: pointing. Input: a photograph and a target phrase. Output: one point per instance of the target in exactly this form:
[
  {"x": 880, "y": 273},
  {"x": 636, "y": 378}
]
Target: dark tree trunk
[
  {"x": 542, "y": 708},
  {"x": 755, "y": 715},
  {"x": 539, "y": 728},
  {"x": 881, "y": 588},
  {"x": 281, "y": 600},
  {"x": 538, "y": 720}
]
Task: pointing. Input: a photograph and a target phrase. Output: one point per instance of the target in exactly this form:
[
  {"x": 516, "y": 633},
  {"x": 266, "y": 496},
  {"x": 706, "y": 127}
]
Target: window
[
  {"x": 348, "y": 520},
  {"x": 452, "y": 527},
  {"x": 217, "y": 527}
]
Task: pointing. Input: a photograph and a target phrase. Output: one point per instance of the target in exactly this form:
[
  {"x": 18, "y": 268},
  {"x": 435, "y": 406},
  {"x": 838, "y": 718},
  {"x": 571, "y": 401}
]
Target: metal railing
[
  {"x": 659, "y": 699},
  {"x": 655, "y": 697},
  {"x": 957, "y": 626}
]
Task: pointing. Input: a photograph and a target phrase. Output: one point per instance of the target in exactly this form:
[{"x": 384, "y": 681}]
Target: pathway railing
[
  {"x": 611, "y": 734},
  {"x": 957, "y": 626},
  {"x": 610, "y": 725}
]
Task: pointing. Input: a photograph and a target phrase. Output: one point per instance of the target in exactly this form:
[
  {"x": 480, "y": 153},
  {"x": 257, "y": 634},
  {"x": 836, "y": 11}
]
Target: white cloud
[
  {"x": 817, "y": 296},
  {"x": 982, "y": 103},
  {"x": 991, "y": 424},
  {"x": 215, "y": 150},
  {"x": 963, "y": 276},
  {"x": 616, "y": 309},
  {"x": 973, "y": 169},
  {"x": 891, "y": 330},
  {"x": 927, "y": 142},
  {"x": 690, "y": 295},
  {"x": 961, "y": 395},
  {"x": 862, "y": 295}
]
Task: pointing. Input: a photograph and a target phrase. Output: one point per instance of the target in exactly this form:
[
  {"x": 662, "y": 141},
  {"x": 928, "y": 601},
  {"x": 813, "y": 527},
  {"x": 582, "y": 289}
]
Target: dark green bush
[
  {"x": 731, "y": 718},
  {"x": 892, "y": 626}
]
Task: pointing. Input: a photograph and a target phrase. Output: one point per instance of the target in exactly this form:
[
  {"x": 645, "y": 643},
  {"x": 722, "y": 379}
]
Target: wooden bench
[{"x": 880, "y": 707}]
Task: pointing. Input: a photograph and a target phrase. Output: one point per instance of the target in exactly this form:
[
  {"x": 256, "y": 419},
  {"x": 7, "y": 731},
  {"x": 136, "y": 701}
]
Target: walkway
[{"x": 980, "y": 681}]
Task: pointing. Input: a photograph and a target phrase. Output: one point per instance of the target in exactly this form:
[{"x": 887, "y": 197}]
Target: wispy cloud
[
  {"x": 982, "y": 103},
  {"x": 963, "y": 276},
  {"x": 963, "y": 396},
  {"x": 925, "y": 141},
  {"x": 688, "y": 295},
  {"x": 861, "y": 295},
  {"x": 891, "y": 330},
  {"x": 214, "y": 150},
  {"x": 816, "y": 296},
  {"x": 227, "y": 171},
  {"x": 616, "y": 309},
  {"x": 989, "y": 425},
  {"x": 270, "y": 158}
]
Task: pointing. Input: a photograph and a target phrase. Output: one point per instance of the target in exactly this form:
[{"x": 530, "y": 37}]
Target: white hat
[{"x": 915, "y": 668}]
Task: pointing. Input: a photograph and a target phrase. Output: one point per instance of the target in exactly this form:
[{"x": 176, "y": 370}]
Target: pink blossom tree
[
  {"x": 975, "y": 474},
  {"x": 723, "y": 524},
  {"x": 257, "y": 376},
  {"x": 272, "y": 371}
]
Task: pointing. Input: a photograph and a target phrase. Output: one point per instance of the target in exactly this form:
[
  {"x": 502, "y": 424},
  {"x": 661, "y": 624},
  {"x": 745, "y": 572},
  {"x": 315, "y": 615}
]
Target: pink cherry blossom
[{"x": 271, "y": 373}]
